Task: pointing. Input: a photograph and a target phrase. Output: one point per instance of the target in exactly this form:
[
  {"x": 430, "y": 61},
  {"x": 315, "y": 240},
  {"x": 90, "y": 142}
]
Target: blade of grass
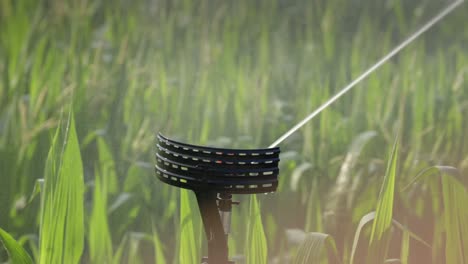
[
  {"x": 256, "y": 245},
  {"x": 189, "y": 248},
  {"x": 367, "y": 219},
  {"x": 380, "y": 234},
  {"x": 107, "y": 167},
  {"x": 100, "y": 242},
  {"x": 405, "y": 247},
  {"x": 456, "y": 220},
  {"x": 15, "y": 251},
  {"x": 454, "y": 216},
  {"x": 158, "y": 249},
  {"x": 62, "y": 225}
]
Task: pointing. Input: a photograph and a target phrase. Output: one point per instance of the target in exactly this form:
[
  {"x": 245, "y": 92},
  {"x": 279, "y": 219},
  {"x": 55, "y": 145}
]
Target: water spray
[{"x": 373, "y": 68}]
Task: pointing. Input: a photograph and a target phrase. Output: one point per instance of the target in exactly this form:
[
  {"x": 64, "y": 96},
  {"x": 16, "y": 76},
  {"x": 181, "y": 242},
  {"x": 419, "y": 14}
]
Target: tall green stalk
[{"x": 62, "y": 222}]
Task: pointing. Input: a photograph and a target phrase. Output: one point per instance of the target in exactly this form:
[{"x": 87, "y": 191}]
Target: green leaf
[
  {"x": 38, "y": 185},
  {"x": 380, "y": 235},
  {"x": 367, "y": 219},
  {"x": 313, "y": 247},
  {"x": 158, "y": 249},
  {"x": 107, "y": 167},
  {"x": 62, "y": 222},
  {"x": 15, "y": 251},
  {"x": 455, "y": 198},
  {"x": 189, "y": 248},
  {"x": 297, "y": 174},
  {"x": 405, "y": 247},
  {"x": 119, "y": 201},
  {"x": 354, "y": 151},
  {"x": 100, "y": 242},
  {"x": 256, "y": 245},
  {"x": 454, "y": 218},
  {"x": 341, "y": 196},
  {"x": 434, "y": 170}
]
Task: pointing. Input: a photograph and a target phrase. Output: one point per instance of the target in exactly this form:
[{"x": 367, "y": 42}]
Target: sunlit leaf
[
  {"x": 62, "y": 225},
  {"x": 100, "y": 242},
  {"x": 380, "y": 235},
  {"x": 256, "y": 245},
  {"x": 15, "y": 251},
  {"x": 189, "y": 248}
]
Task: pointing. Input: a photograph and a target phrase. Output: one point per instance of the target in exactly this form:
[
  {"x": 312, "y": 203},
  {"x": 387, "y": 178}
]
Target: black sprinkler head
[
  {"x": 233, "y": 171},
  {"x": 214, "y": 174}
]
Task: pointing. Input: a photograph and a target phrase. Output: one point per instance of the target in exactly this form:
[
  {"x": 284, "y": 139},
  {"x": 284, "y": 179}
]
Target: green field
[{"x": 379, "y": 177}]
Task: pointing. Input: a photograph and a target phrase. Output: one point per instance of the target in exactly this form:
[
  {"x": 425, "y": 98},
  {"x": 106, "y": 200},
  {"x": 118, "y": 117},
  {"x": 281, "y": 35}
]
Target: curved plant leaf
[
  {"x": 343, "y": 179},
  {"x": 15, "y": 251},
  {"x": 434, "y": 170},
  {"x": 312, "y": 248},
  {"x": 367, "y": 219},
  {"x": 297, "y": 174},
  {"x": 38, "y": 186},
  {"x": 341, "y": 197}
]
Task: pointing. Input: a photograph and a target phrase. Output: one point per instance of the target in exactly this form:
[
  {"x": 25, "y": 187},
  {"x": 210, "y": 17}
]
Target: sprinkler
[{"x": 214, "y": 175}]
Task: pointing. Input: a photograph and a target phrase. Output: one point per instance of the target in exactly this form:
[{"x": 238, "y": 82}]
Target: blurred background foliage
[{"x": 230, "y": 74}]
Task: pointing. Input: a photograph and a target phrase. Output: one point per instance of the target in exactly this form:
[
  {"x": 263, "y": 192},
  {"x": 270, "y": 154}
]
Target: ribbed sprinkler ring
[{"x": 214, "y": 174}]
